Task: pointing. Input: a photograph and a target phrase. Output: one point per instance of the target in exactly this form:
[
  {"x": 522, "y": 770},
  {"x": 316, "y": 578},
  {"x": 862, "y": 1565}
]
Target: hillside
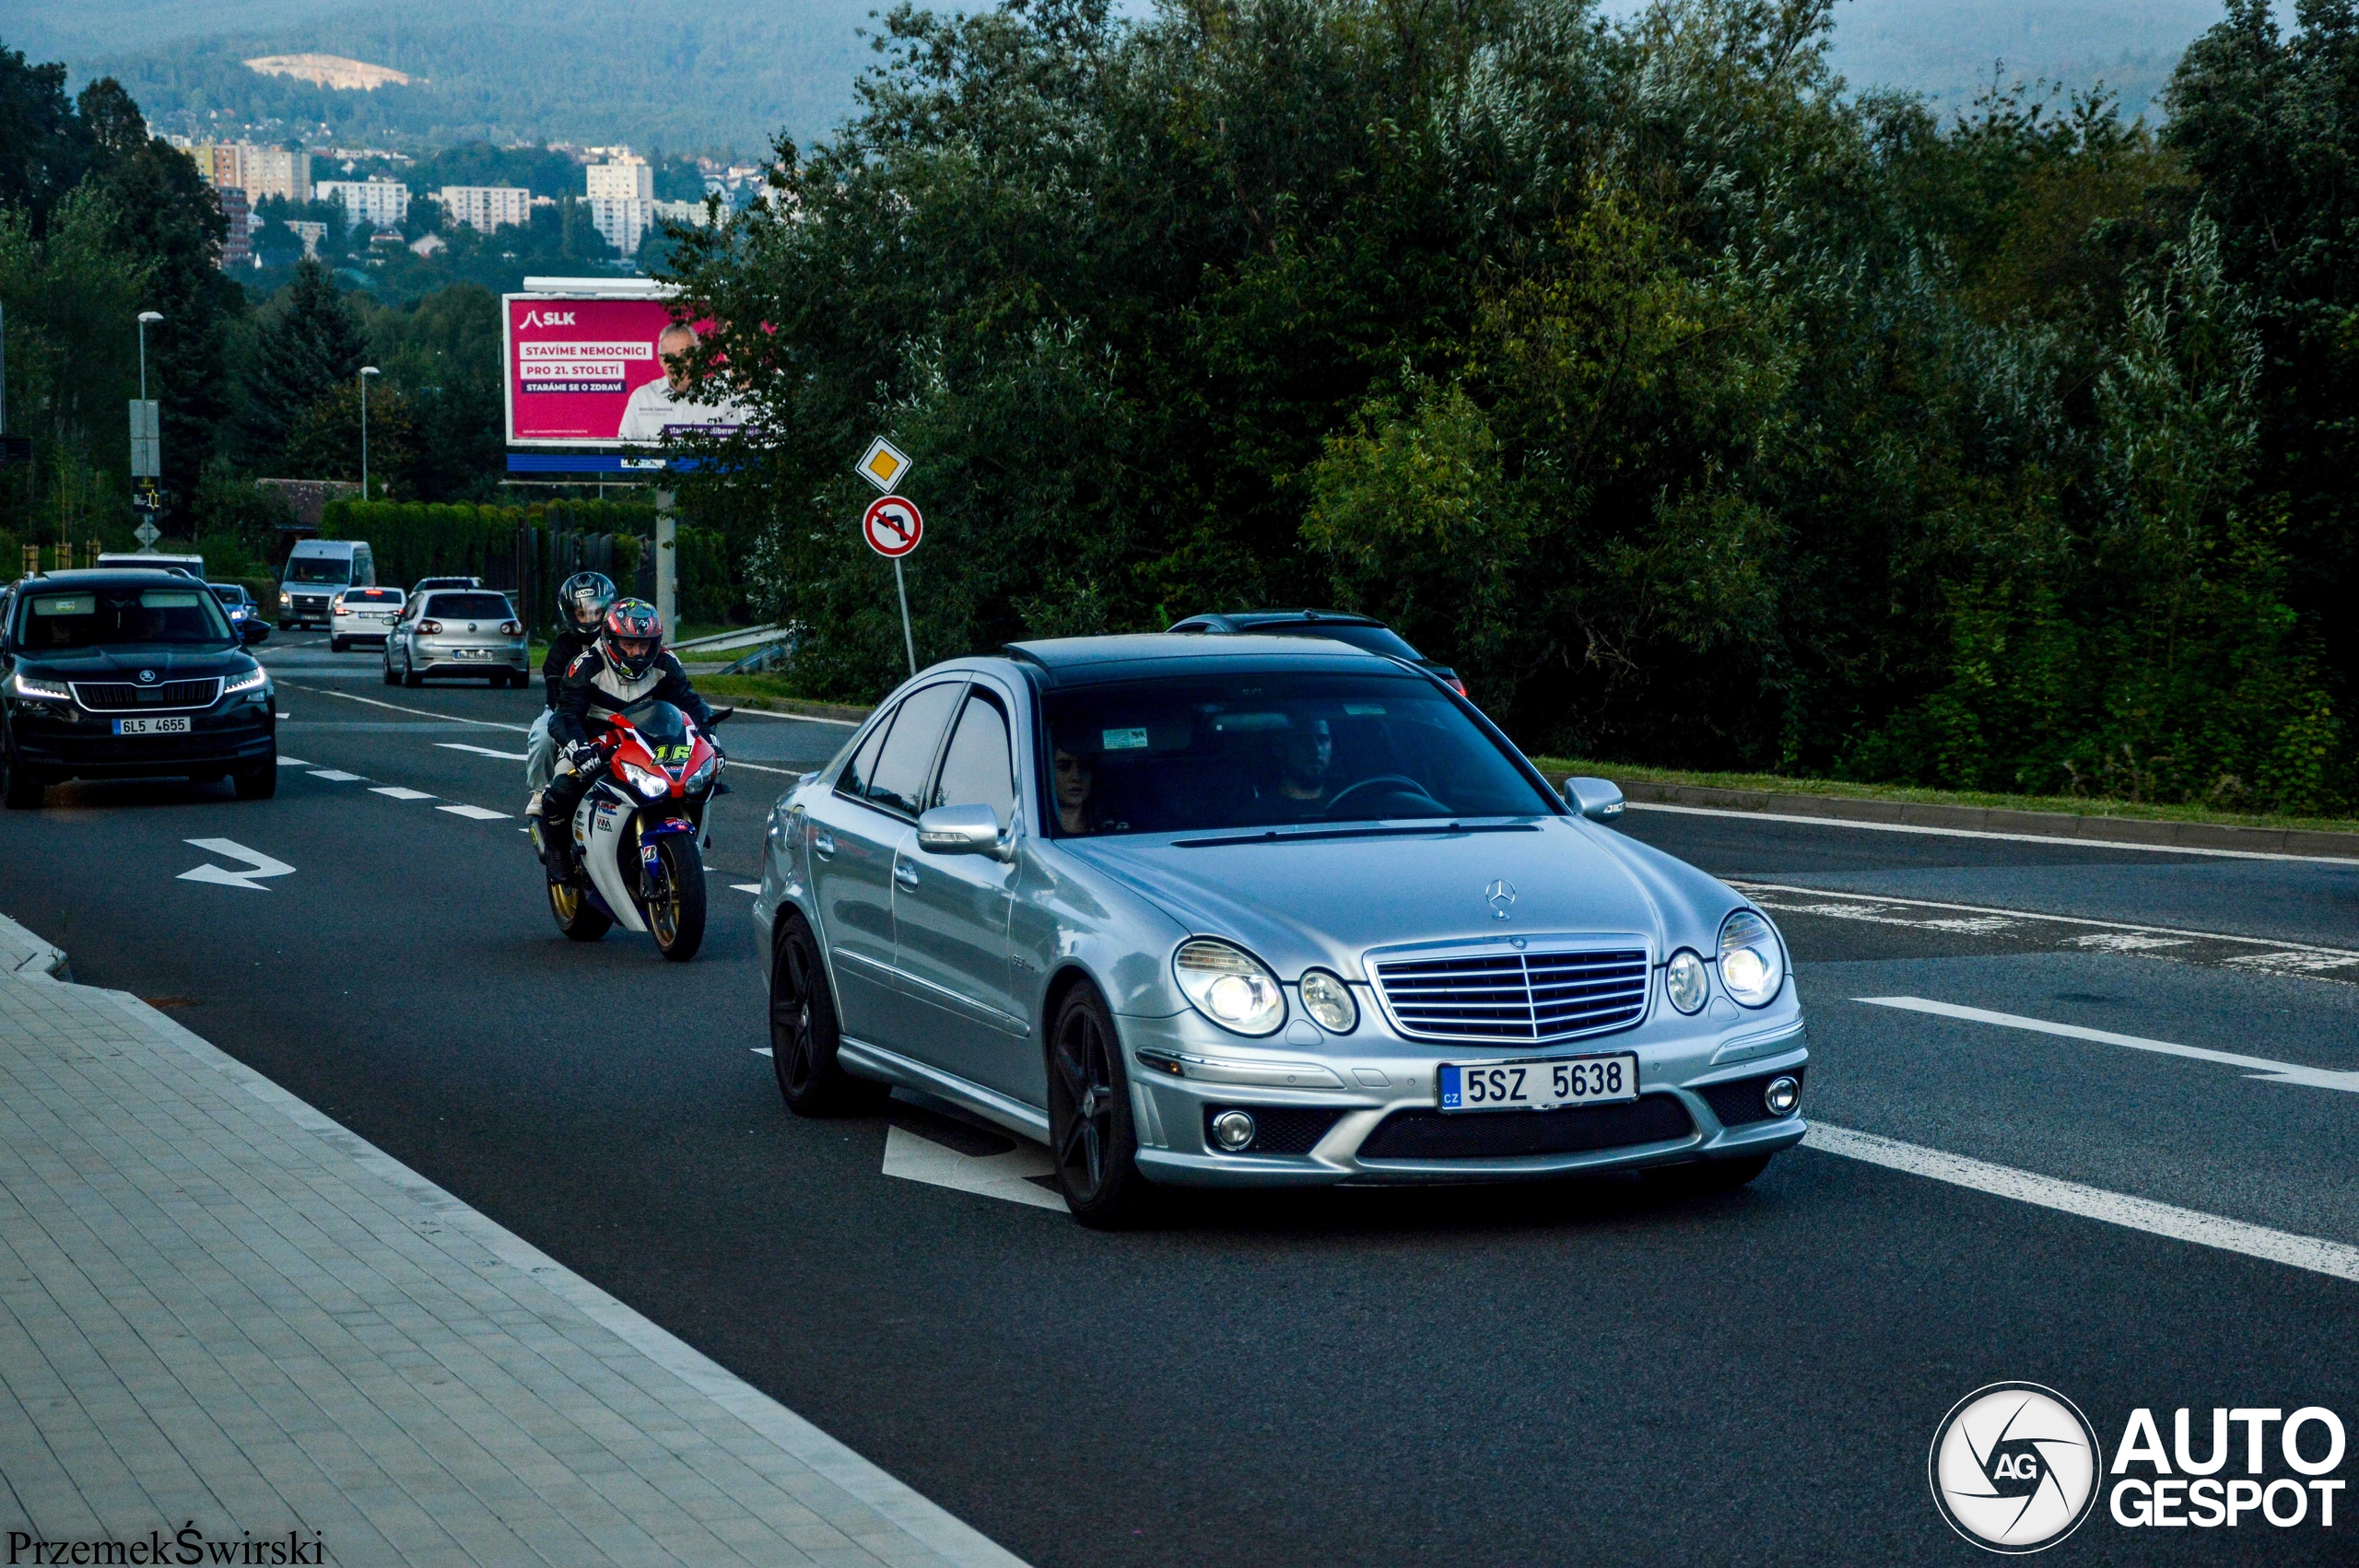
[{"x": 683, "y": 74}]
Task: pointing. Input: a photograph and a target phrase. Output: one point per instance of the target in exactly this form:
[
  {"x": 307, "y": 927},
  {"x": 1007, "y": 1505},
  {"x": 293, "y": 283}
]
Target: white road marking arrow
[
  {"x": 260, "y": 865},
  {"x": 1004, "y": 1176},
  {"x": 2263, "y": 1069}
]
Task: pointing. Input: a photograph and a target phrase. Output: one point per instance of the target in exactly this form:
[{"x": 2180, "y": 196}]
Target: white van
[{"x": 307, "y": 589}]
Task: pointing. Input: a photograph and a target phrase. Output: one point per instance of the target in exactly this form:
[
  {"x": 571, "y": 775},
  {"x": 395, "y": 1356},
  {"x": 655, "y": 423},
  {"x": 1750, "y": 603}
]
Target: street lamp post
[
  {"x": 365, "y": 371},
  {"x": 147, "y": 318}
]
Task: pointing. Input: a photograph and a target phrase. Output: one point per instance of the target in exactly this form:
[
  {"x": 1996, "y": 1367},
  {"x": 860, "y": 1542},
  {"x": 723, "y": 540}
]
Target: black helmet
[
  {"x": 583, "y": 599},
  {"x": 633, "y": 638}
]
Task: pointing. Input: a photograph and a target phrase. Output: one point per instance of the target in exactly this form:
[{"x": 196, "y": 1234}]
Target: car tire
[
  {"x": 257, "y": 783},
  {"x": 338, "y": 645},
  {"x": 392, "y": 677},
  {"x": 410, "y": 677},
  {"x": 1700, "y": 1177},
  {"x": 1090, "y": 1135},
  {"x": 21, "y": 787},
  {"x": 804, "y": 1033},
  {"x": 286, "y": 625}
]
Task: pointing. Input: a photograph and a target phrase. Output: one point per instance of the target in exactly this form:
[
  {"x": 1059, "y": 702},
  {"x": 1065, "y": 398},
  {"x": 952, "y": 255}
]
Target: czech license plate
[
  {"x": 151, "y": 726},
  {"x": 1539, "y": 1085},
  {"x": 474, "y": 653}
]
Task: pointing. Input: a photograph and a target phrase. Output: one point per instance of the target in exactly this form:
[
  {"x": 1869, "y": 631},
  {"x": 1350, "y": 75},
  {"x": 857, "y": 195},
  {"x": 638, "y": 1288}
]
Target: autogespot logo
[{"x": 2015, "y": 1468}]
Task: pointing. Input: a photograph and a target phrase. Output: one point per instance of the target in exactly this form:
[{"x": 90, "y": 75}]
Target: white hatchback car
[{"x": 363, "y": 614}]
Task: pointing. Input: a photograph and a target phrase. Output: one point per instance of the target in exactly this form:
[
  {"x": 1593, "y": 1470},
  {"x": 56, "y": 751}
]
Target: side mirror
[
  {"x": 253, "y": 630},
  {"x": 962, "y": 830},
  {"x": 1600, "y": 800}
]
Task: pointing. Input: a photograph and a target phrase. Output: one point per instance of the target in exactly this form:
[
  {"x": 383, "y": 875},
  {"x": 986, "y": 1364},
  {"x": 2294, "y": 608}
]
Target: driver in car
[
  {"x": 628, "y": 664},
  {"x": 1305, "y": 752}
]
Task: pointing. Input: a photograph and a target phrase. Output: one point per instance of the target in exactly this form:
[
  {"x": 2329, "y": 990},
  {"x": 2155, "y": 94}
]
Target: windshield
[
  {"x": 1256, "y": 750},
  {"x": 228, "y": 593},
  {"x": 660, "y": 725},
  {"x": 469, "y": 606},
  {"x": 103, "y": 617},
  {"x": 371, "y": 596},
  {"x": 318, "y": 568}
]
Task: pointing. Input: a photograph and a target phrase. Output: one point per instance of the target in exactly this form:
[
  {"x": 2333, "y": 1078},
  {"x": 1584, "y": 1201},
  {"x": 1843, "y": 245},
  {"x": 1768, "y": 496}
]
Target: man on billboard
[{"x": 663, "y": 404}]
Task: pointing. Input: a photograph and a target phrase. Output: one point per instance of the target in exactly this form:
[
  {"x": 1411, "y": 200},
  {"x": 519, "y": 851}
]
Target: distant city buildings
[
  {"x": 237, "y": 249},
  {"x": 378, "y": 201},
  {"x": 487, "y": 207},
  {"x": 620, "y": 194}
]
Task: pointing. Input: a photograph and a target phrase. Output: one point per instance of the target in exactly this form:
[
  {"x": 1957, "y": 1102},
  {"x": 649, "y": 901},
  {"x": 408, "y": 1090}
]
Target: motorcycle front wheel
[{"x": 676, "y": 915}]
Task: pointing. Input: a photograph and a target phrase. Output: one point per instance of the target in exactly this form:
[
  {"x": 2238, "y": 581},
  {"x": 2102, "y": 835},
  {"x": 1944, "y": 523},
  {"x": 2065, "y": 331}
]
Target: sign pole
[{"x": 907, "y": 638}]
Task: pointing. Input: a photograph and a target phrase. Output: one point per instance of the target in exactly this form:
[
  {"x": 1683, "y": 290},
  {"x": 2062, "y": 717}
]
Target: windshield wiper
[{"x": 1272, "y": 835}]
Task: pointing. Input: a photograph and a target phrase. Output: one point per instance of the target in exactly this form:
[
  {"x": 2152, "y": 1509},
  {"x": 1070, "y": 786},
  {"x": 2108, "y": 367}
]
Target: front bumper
[
  {"x": 238, "y": 732},
  {"x": 1359, "y": 1108}
]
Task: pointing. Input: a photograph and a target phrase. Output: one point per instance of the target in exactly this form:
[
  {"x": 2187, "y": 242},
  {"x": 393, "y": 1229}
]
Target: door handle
[
  {"x": 905, "y": 874},
  {"x": 823, "y": 845}
]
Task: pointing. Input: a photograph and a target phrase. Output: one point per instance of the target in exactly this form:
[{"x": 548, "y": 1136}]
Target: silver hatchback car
[
  {"x": 1260, "y": 911},
  {"x": 457, "y": 632}
]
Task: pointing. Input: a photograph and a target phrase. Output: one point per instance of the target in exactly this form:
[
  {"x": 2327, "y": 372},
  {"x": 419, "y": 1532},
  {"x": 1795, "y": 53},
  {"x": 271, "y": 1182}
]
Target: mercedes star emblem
[{"x": 1500, "y": 894}]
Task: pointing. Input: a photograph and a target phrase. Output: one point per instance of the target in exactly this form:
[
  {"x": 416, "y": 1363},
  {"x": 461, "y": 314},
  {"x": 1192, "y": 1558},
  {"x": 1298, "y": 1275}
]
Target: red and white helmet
[{"x": 632, "y": 636}]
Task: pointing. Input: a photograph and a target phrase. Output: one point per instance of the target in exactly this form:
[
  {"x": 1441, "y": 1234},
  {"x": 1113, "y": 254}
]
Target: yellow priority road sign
[{"x": 883, "y": 465}]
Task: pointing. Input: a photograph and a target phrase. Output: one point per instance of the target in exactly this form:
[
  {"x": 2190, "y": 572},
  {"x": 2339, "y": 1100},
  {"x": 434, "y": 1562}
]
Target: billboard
[{"x": 589, "y": 370}]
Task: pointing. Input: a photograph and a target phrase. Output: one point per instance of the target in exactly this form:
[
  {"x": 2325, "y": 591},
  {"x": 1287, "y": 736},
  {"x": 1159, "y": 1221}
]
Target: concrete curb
[
  {"x": 2306, "y": 842},
  {"x": 24, "y": 956}
]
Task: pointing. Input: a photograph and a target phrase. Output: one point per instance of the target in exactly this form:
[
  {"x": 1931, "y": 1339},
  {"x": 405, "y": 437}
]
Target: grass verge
[{"x": 2070, "y": 806}]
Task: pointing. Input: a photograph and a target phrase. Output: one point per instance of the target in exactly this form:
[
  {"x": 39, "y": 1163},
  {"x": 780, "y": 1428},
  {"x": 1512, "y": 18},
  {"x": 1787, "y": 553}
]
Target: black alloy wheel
[
  {"x": 1090, "y": 1134},
  {"x": 803, "y": 1032}
]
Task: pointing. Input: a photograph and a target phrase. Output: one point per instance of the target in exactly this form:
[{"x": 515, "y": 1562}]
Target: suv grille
[
  {"x": 1515, "y": 996},
  {"x": 1739, "y": 1102},
  {"x": 1502, "y": 1135},
  {"x": 114, "y": 696}
]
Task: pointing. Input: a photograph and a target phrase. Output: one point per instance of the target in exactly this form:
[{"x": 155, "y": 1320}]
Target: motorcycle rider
[
  {"x": 627, "y": 663},
  {"x": 582, "y": 601}
]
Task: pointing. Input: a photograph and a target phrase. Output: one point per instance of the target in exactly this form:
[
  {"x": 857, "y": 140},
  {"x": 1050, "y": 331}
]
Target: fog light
[
  {"x": 1233, "y": 1130},
  {"x": 1782, "y": 1095}
]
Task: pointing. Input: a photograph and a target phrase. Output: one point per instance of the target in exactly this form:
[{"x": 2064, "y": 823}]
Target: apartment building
[
  {"x": 238, "y": 250},
  {"x": 256, "y": 169},
  {"x": 487, "y": 207},
  {"x": 377, "y": 201}
]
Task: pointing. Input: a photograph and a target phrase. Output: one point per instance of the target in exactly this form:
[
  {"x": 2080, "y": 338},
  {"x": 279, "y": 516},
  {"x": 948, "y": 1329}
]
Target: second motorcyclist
[
  {"x": 582, "y": 601},
  {"x": 627, "y": 663}
]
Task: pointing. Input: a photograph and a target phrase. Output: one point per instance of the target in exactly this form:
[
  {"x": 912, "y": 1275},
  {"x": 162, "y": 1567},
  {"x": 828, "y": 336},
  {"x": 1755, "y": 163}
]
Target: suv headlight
[
  {"x": 40, "y": 690},
  {"x": 1685, "y": 981},
  {"x": 251, "y": 681},
  {"x": 1229, "y": 986},
  {"x": 1753, "y": 961},
  {"x": 1326, "y": 997}
]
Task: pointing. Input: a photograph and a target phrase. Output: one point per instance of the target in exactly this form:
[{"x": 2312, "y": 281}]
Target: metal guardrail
[{"x": 721, "y": 642}]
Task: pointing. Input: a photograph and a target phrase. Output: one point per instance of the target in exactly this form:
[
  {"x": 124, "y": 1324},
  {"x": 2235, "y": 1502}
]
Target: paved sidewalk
[{"x": 220, "y": 1309}]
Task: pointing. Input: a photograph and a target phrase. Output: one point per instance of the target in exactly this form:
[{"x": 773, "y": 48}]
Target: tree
[
  {"x": 42, "y": 147},
  {"x": 308, "y": 346}
]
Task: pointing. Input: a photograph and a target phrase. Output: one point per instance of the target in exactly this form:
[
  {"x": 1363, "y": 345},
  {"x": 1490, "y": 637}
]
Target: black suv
[
  {"x": 1359, "y": 631},
  {"x": 122, "y": 673}
]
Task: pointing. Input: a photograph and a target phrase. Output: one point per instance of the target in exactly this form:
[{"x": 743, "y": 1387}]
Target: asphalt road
[{"x": 1577, "y": 1372}]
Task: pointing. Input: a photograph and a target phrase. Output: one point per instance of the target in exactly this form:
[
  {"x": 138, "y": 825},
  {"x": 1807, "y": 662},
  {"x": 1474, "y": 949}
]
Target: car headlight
[
  {"x": 284, "y": 598},
  {"x": 1685, "y": 980},
  {"x": 1326, "y": 997},
  {"x": 26, "y": 685},
  {"x": 648, "y": 784},
  {"x": 1230, "y": 987},
  {"x": 251, "y": 681},
  {"x": 1753, "y": 961}
]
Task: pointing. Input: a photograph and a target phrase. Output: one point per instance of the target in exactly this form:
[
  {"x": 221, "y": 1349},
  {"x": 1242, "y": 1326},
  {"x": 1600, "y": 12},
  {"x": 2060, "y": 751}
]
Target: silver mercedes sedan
[{"x": 1260, "y": 911}]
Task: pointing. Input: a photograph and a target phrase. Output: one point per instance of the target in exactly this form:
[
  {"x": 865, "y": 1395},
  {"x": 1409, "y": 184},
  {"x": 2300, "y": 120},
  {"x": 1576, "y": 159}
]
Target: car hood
[
  {"x": 1301, "y": 901},
  {"x": 172, "y": 662}
]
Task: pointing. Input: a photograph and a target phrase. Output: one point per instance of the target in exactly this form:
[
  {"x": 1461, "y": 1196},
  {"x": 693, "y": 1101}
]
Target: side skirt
[{"x": 876, "y": 1061}]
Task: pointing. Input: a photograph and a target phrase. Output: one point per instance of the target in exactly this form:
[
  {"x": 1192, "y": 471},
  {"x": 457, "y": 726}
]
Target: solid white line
[
  {"x": 2264, "y": 1069},
  {"x": 2269, "y": 942},
  {"x": 797, "y": 717},
  {"x": 475, "y": 814},
  {"x": 292, "y": 762},
  {"x": 2318, "y": 1256},
  {"x": 760, "y": 1050},
  {"x": 746, "y": 886},
  {"x": 335, "y": 775},
  {"x": 398, "y": 793},
  {"x": 1986, "y": 833},
  {"x": 480, "y": 751},
  {"x": 424, "y": 712}
]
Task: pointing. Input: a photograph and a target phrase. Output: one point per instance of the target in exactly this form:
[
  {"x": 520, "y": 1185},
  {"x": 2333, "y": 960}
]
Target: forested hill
[{"x": 690, "y": 75}]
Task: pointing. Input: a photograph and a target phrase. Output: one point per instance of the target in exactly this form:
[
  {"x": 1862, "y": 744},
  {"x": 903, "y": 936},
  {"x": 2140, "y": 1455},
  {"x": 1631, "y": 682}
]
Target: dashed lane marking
[
  {"x": 2263, "y": 1069},
  {"x": 475, "y": 814},
  {"x": 480, "y": 751},
  {"x": 2318, "y": 1256},
  {"x": 335, "y": 775},
  {"x": 396, "y": 793},
  {"x": 746, "y": 886},
  {"x": 526, "y": 729},
  {"x": 292, "y": 762}
]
